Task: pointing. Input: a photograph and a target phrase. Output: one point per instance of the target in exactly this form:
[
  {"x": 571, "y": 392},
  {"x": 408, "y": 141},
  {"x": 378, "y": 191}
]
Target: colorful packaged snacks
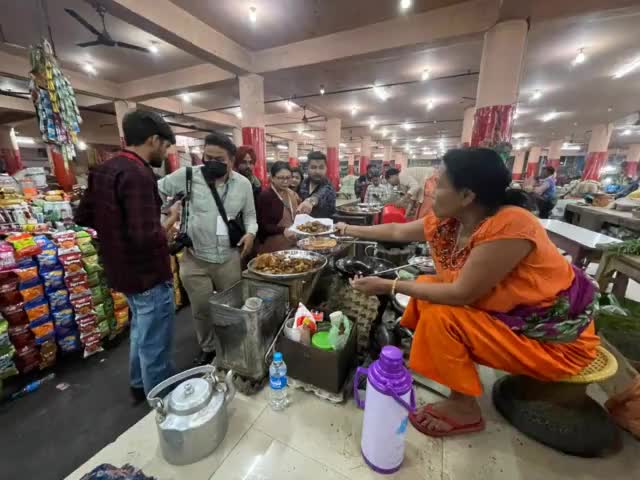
[
  {"x": 24, "y": 245},
  {"x": 91, "y": 264},
  {"x": 48, "y": 258},
  {"x": 27, "y": 359},
  {"x": 36, "y": 309},
  {"x": 103, "y": 328},
  {"x": 71, "y": 260},
  {"x": 82, "y": 304},
  {"x": 100, "y": 312},
  {"x": 98, "y": 295},
  {"x": 58, "y": 299},
  {"x": 122, "y": 318},
  {"x": 87, "y": 249},
  {"x": 77, "y": 284},
  {"x": 31, "y": 291},
  {"x": 53, "y": 280},
  {"x": 48, "y": 351},
  {"x": 9, "y": 294},
  {"x": 86, "y": 325},
  {"x": 7, "y": 257},
  {"x": 93, "y": 279},
  {"x": 14, "y": 314},
  {"x": 63, "y": 318},
  {"x": 27, "y": 274},
  {"x": 65, "y": 239},
  {"x": 119, "y": 300},
  {"x": 92, "y": 344},
  {"x": 5, "y": 342},
  {"x": 7, "y": 367},
  {"x": 42, "y": 329},
  {"x": 21, "y": 336},
  {"x": 68, "y": 341},
  {"x": 83, "y": 237}
]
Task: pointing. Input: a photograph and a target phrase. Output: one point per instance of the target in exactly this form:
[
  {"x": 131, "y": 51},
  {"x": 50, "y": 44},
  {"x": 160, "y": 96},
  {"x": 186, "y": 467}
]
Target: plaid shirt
[
  {"x": 326, "y": 195},
  {"x": 122, "y": 203}
]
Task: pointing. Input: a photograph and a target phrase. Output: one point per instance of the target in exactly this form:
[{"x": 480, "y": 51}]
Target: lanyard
[{"x": 289, "y": 206}]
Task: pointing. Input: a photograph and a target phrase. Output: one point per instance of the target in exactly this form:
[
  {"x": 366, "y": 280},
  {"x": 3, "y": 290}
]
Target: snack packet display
[
  {"x": 31, "y": 290},
  {"x": 5, "y": 342},
  {"x": 94, "y": 279},
  {"x": 77, "y": 284},
  {"x": 67, "y": 340},
  {"x": 42, "y": 330},
  {"x": 63, "y": 318},
  {"x": 71, "y": 260},
  {"x": 91, "y": 264},
  {"x": 87, "y": 249},
  {"x": 7, "y": 367},
  {"x": 48, "y": 351},
  {"x": 98, "y": 295},
  {"x": 36, "y": 309},
  {"x": 24, "y": 245},
  {"x": 28, "y": 273},
  {"x": 122, "y": 318},
  {"x": 65, "y": 240},
  {"x": 48, "y": 258},
  {"x": 9, "y": 293},
  {"x": 119, "y": 300},
  {"x": 82, "y": 304},
  {"x": 21, "y": 336},
  {"x": 7, "y": 257},
  {"x": 53, "y": 280},
  {"x": 14, "y": 314},
  {"x": 58, "y": 299},
  {"x": 92, "y": 344},
  {"x": 27, "y": 359}
]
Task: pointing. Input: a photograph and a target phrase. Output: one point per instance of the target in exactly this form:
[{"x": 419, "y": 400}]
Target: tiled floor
[{"x": 314, "y": 439}]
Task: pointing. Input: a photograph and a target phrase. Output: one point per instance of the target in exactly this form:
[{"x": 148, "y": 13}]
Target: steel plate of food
[
  {"x": 287, "y": 264},
  {"x": 318, "y": 244},
  {"x": 314, "y": 227}
]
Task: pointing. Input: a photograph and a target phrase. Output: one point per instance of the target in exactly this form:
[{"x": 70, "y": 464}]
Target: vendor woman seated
[{"x": 503, "y": 296}]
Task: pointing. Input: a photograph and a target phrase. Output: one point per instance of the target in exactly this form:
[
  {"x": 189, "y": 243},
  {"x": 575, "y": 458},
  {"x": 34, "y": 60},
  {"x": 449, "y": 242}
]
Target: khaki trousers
[{"x": 200, "y": 280}]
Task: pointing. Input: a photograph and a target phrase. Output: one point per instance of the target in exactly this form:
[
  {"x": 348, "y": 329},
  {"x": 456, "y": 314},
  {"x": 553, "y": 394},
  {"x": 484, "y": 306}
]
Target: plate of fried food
[
  {"x": 306, "y": 225},
  {"x": 287, "y": 264},
  {"x": 318, "y": 244}
]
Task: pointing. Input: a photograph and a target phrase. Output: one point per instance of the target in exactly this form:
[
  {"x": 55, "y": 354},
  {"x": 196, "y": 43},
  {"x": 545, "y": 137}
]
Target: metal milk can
[{"x": 192, "y": 420}]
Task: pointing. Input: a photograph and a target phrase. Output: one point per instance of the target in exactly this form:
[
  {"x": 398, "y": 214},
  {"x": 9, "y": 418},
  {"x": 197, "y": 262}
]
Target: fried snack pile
[
  {"x": 278, "y": 265},
  {"x": 318, "y": 243},
  {"x": 313, "y": 227}
]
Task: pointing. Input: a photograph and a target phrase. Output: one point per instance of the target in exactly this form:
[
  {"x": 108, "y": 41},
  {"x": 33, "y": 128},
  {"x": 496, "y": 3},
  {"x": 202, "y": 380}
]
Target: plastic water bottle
[{"x": 278, "y": 383}]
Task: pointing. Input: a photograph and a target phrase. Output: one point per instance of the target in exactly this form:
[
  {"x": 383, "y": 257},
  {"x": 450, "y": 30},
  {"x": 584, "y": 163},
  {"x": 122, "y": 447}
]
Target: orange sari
[{"x": 450, "y": 340}]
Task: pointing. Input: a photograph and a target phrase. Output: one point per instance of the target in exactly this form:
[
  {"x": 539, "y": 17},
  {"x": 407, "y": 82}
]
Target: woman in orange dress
[{"x": 502, "y": 296}]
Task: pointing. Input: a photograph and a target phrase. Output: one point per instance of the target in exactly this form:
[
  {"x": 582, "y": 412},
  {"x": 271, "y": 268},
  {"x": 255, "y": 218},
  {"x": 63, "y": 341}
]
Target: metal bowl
[{"x": 320, "y": 259}]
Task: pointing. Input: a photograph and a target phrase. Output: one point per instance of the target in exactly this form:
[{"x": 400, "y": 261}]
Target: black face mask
[{"x": 213, "y": 170}]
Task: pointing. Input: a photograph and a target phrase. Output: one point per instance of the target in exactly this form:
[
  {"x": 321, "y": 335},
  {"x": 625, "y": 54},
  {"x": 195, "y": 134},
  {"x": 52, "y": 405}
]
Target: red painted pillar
[
  {"x": 294, "y": 161},
  {"x": 500, "y": 67},
  {"x": 9, "y": 151},
  {"x": 533, "y": 162},
  {"x": 59, "y": 168},
  {"x": 518, "y": 165},
  {"x": 173, "y": 159},
  {"x": 333, "y": 127},
  {"x": 252, "y": 107},
  {"x": 598, "y": 154},
  {"x": 365, "y": 155}
]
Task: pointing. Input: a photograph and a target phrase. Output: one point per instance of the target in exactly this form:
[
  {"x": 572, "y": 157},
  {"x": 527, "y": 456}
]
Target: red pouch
[
  {"x": 72, "y": 262},
  {"x": 65, "y": 239},
  {"x": 77, "y": 284},
  {"x": 82, "y": 305},
  {"x": 21, "y": 336},
  {"x": 14, "y": 314}
]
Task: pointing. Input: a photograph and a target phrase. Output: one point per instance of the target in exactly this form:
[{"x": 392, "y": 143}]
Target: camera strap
[{"x": 186, "y": 200}]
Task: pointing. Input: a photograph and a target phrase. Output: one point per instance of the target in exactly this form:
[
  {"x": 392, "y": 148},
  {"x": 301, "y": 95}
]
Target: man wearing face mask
[
  {"x": 213, "y": 263},
  {"x": 122, "y": 203}
]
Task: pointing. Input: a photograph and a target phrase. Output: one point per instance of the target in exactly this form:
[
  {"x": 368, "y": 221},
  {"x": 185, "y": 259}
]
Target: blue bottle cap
[{"x": 277, "y": 357}]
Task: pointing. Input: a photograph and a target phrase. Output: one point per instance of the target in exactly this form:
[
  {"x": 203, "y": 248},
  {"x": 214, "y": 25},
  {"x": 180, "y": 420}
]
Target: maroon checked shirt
[{"x": 123, "y": 205}]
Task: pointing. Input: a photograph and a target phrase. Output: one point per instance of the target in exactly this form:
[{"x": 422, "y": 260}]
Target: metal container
[
  {"x": 321, "y": 262},
  {"x": 243, "y": 336},
  {"x": 192, "y": 420}
]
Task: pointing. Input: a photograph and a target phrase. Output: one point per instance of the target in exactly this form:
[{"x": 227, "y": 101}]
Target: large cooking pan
[{"x": 349, "y": 267}]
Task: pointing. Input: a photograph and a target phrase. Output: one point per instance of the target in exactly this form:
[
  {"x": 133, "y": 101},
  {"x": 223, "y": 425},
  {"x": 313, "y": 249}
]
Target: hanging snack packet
[
  {"x": 91, "y": 264},
  {"x": 27, "y": 359},
  {"x": 53, "y": 280},
  {"x": 27, "y": 273},
  {"x": 82, "y": 304},
  {"x": 7, "y": 257},
  {"x": 21, "y": 336},
  {"x": 103, "y": 329},
  {"x": 31, "y": 290},
  {"x": 63, "y": 318},
  {"x": 24, "y": 245},
  {"x": 77, "y": 284},
  {"x": 42, "y": 329},
  {"x": 93, "y": 279},
  {"x": 71, "y": 260},
  {"x": 98, "y": 295},
  {"x": 14, "y": 314},
  {"x": 86, "y": 325},
  {"x": 119, "y": 300},
  {"x": 48, "y": 351},
  {"x": 36, "y": 309},
  {"x": 68, "y": 340},
  {"x": 122, "y": 318},
  {"x": 7, "y": 367},
  {"x": 100, "y": 312},
  {"x": 48, "y": 258},
  {"x": 59, "y": 299},
  {"x": 9, "y": 294},
  {"x": 92, "y": 344},
  {"x": 5, "y": 342},
  {"x": 65, "y": 240}
]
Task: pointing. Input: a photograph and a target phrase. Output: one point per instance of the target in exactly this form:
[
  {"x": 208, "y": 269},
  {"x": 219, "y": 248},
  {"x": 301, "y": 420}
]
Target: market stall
[{"x": 624, "y": 224}]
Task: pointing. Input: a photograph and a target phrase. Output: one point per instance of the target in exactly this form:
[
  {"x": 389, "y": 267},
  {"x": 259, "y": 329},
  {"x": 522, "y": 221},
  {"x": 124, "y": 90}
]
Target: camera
[{"x": 182, "y": 241}]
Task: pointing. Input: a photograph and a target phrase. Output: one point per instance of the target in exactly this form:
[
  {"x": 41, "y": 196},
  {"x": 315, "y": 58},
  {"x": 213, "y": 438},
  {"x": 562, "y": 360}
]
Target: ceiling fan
[{"x": 102, "y": 38}]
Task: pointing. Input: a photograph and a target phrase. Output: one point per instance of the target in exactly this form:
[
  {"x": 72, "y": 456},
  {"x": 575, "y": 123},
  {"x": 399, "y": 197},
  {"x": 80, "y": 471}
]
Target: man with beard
[
  {"x": 213, "y": 262},
  {"x": 122, "y": 203},
  {"x": 317, "y": 194}
]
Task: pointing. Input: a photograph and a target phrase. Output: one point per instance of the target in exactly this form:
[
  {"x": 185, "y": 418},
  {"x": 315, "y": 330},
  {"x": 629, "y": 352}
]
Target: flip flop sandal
[{"x": 456, "y": 428}]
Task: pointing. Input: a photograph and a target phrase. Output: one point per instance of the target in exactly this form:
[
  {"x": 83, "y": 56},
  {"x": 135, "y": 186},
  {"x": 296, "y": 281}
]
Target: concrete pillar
[
  {"x": 122, "y": 107},
  {"x": 500, "y": 69},
  {"x": 633, "y": 157},
  {"x": 237, "y": 136},
  {"x": 388, "y": 155},
  {"x": 9, "y": 151},
  {"x": 333, "y": 127},
  {"x": 252, "y": 108},
  {"x": 597, "y": 155},
  {"x": 553, "y": 159},
  {"x": 467, "y": 126},
  {"x": 293, "y": 154},
  {"x": 401, "y": 160},
  {"x": 533, "y": 161},
  {"x": 518, "y": 164},
  {"x": 365, "y": 155}
]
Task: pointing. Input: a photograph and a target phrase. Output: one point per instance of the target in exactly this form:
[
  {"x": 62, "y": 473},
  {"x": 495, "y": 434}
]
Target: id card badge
[{"x": 221, "y": 228}]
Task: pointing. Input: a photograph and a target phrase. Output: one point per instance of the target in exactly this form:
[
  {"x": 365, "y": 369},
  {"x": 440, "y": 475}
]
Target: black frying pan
[{"x": 349, "y": 267}]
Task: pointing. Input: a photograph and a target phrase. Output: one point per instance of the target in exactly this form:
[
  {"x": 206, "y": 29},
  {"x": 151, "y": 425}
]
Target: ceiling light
[
  {"x": 90, "y": 69},
  {"x": 407, "y": 126},
  {"x": 628, "y": 68},
  {"x": 343, "y": 145},
  {"x": 404, "y": 4},
  {"x": 372, "y": 124},
  {"x": 253, "y": 14},
  {"x": 384, "y": 132},
  {"x": 627, "y": 131},
  {"x": 609, "y": 109},
  {"x": 549, "y": 116},
  {"x": 82, "y": 145},
  {"x": 289, "y": 105},
  {"x": 186, "y": 97},
  {"x": 300, "y": 130},
  {"x": 239, "y": 114},
  {"x": 580, "y": 57},
  {"x": 419, "y": 139},
  {"x": 569, "y": 146},
  {"x": 25, "y": 140},
  {"x": 515, "y": 114},
  {"x": 153, "y": 48},
  {"x": 429, "y": 105},
  {"x": 307, "y": 134},
  {"x": 282, "y": 147},
  {"x": 381, "y": 93},
  {"x": 394, "y": 140},
  {"x": 321, "y": 89},
  {"x": 354, "y": 111},
  {"x": 536, "y": 95},
  {"x": 426, "y": 73}
]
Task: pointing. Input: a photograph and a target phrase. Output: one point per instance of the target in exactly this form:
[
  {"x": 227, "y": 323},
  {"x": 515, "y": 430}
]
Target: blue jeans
[{"x": 151, "y": 336}]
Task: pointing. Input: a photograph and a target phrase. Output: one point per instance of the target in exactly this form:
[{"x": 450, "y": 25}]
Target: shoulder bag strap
[
  {"x": 219, "y": 204},
  {"x": 187, "y": 199}
]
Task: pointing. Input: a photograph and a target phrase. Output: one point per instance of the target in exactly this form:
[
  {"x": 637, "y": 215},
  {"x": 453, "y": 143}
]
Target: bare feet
[{"x": 455, "y": 413}]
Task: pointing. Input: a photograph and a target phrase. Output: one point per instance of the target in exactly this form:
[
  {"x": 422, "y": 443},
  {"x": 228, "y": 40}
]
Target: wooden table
[
  {"x": 624, "y": 267},
  {"x": 593, "y": 218},
  {"x": 583, "y": 245}
]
